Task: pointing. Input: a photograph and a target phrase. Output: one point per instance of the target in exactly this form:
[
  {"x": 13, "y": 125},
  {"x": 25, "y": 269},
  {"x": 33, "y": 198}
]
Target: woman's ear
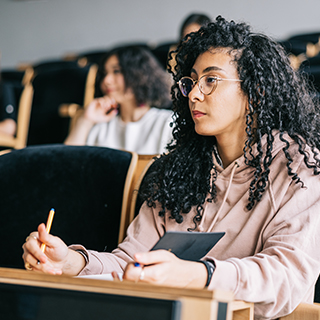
[{"x": 248, "y": 107}]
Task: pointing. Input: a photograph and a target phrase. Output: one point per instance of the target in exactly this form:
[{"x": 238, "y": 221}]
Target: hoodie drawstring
[{"x": 200, "y": 227}]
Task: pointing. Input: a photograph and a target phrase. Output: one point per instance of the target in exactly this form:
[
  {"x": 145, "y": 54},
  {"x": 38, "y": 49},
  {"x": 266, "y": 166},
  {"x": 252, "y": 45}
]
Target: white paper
[{"x": 106, "y": 276}]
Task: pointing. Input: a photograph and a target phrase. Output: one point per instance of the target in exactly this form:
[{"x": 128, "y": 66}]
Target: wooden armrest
[
  {"x": 68, "y": 110},
  {"x": 5, "y": 151},
  {"x": 242, "y": 310},
  {"x": 82, "y": 62},
  {"x": 305, "y": 311},
  {"x": 312, "y": 50},
  {"x": 28, "y": 76}
]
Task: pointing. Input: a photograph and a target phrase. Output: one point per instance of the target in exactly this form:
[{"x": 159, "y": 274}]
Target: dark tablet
[{"x": 188, "y": 245}]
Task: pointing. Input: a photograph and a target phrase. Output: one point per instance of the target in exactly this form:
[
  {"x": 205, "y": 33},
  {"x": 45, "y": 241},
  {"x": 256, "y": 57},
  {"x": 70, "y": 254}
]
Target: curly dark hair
[
  {"x": 278, "y": 98},
  {"x": 142, "y": 73}
]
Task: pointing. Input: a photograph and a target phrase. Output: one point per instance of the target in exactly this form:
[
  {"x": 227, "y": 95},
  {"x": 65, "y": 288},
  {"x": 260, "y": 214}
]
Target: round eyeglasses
[{"x": 206, "y": 84}]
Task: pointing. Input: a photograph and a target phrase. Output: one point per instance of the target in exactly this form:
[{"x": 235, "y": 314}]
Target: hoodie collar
[
  {"x": 200, "y": 226},
  {"x": 243, "y": 171},
  {"x": 239, "y": 171}
]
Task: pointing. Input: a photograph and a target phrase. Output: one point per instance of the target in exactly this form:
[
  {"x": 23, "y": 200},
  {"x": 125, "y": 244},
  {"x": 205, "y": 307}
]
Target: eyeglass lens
[
  {"x": 206, "y": 85},
  {"x": 186, "y": 85}
]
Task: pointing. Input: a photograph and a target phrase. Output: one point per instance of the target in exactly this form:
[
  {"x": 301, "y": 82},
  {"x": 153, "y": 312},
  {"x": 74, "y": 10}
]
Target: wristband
[
  {"x": 84, "y": 255},
  {"x": 210, "y": 269}
]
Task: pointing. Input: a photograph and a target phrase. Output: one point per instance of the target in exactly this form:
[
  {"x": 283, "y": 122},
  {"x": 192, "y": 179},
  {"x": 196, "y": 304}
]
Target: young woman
[
  {"x": 245, "y": 161},
  {"x": 130, "y": 114}
]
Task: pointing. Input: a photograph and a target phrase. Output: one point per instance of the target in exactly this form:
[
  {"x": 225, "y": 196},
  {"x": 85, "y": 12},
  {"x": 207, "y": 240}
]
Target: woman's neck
[
  {"x": 230, "y": 150},
  {"x": 131, "y": 112}
]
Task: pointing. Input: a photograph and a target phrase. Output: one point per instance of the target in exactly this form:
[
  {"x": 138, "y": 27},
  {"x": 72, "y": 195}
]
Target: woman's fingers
[
  {"x": 115, "y": 276},
  {"x": 134, "y": 272},
  {"x": 163, "y": 267},
  {"x": 32, "y": 253},
  {"x": 50, "y": 261},
  {"x": 108, "y": 105},
  {"x": 146, "y": 266},
  {"x": 154, "y": 257},
  {"x": 101, "y": 109}
]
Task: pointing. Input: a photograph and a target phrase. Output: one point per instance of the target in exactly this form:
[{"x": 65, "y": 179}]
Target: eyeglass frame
[{"x": 198, "y": 81}]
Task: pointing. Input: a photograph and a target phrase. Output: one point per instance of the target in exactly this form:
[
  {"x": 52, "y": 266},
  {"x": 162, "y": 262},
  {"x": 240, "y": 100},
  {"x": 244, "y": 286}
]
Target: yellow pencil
[{"x": 48, "y": 227}]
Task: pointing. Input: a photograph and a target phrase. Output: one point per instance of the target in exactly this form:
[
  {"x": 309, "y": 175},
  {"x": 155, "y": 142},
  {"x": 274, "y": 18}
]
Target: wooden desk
[{"x": 39, "y": 296}]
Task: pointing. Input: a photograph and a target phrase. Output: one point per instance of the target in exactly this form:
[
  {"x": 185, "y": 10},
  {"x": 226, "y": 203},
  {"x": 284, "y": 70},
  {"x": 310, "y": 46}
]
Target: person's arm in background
[
  {"x": 8, "y": 109},
  {"x": 8, "y": 126},
  {"x": 99, "y": 110}
]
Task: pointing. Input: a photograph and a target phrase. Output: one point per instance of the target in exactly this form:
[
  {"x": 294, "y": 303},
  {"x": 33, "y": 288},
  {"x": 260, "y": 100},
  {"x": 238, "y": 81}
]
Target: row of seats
[
  {"x": 304, "y": 53},
  {"x": 302, "y": 46},
  {"x": 94, "y": 206},
  {"x": 59, "y": 88},
  {"x": 48, "y": 94},
  {"x": 160, "y": 51},
  {"x": 91, "y": 188}
]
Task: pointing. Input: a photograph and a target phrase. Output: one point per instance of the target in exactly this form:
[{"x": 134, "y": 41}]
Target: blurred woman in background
[{"x": 131, "y": 111}]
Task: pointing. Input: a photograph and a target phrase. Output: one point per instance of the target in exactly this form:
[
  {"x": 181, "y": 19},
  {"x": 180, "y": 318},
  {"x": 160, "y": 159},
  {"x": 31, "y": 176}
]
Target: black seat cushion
[{"x": 83, "y": 184}]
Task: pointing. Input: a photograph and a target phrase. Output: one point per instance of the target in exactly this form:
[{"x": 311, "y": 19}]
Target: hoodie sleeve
[
  {"x": 283, "y": 273},
  {"x": 139, "y": 239}
]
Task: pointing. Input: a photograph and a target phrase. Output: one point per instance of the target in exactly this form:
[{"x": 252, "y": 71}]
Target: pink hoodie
[{"x": 268, "y": 256}]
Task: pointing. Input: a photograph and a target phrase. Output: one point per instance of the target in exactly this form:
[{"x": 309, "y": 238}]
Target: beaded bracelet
[{"x": 210, "y": 269}]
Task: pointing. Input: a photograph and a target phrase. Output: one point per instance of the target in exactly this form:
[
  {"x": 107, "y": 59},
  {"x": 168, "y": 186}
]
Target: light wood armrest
[
  {"x": 22, "y": 66},
  {"x": 242, "y": 310},
  {"x": 141, "y": 164},
  {"x": 90, "y": 85},
  {"x": 5, "y": 151},
  {"x": 312, "y": 50},
  {"x": 306, "y": 311},
  {"x": 70, "y": 56},
  {"x": 28, "y": 76},
  {"x": 23, "y": 118},
  {"x": 68, "y": 110},
  {"x": 127, "y": 194}
]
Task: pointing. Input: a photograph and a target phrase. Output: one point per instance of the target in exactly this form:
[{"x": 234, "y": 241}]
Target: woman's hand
[
  {"x": 101, "y": 110},
  {"x": 163, "y": 267},
  {"x": 57, "y": 258}
]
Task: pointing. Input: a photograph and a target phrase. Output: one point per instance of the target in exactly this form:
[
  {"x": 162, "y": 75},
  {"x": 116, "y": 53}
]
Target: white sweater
[{"x": 149, "y": 135}]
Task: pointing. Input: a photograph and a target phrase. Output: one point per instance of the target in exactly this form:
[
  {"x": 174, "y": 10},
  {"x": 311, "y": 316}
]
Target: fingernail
[{"x": 137, "y": 264}]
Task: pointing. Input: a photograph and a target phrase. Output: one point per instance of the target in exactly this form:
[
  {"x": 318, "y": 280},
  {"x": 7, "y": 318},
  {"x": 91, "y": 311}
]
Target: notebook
[{"x": 188, "y": 245}]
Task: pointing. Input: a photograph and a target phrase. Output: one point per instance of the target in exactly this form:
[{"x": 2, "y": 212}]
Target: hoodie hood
[{"x": 238, "y": 172}]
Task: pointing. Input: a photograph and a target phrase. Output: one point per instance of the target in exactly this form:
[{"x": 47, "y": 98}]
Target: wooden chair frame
[
  {"x": 74, "y": 110},
  {"x": 306, "y": 311},
  {"x": 136, "y": 172}
]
